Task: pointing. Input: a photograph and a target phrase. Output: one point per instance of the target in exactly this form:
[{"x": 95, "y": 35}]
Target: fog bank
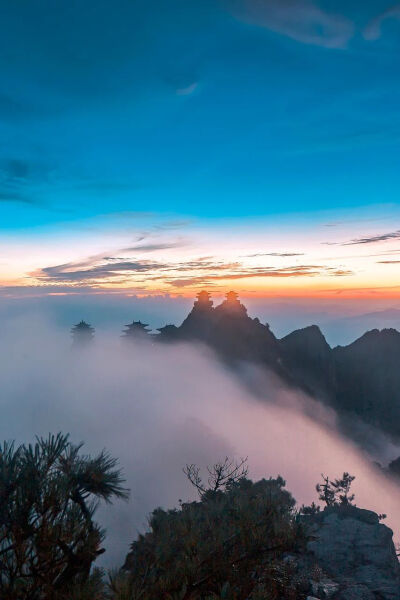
[{"x": 159, "y": 407}]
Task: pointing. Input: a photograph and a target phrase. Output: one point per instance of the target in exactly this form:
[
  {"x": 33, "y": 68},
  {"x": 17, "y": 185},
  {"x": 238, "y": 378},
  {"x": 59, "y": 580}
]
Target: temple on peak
[
  {"x": 203, "y": 301},
  {"x": 232, "y": 304}
]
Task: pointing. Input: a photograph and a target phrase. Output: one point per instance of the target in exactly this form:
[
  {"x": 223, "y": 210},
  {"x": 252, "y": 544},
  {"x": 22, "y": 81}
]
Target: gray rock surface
[{"x": 357, "y": 551}]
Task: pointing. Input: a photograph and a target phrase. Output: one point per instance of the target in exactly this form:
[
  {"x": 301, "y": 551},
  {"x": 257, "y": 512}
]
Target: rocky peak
[
  {"x": 310, "y": 339},
  {"x": 199, "y": 321}
]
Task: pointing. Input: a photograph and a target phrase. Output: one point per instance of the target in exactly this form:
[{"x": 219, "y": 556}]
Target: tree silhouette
[
  {"x": 220, "y": 475},
  {"x": 82, "y": 334},
  {"x": 49, "y": 493},
  {"x": 337, "y": 492}
]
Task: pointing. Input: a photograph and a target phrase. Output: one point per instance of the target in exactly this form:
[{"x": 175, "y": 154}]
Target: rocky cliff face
[{"x": 354, "y": 556}]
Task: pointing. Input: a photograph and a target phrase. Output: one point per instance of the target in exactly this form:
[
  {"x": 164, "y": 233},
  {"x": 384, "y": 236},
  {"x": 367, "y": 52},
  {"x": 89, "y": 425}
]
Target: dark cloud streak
[{"x": 368, "y": 240}]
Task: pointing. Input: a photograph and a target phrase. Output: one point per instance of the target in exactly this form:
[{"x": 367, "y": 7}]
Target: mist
[
  {"x": 158, "y": 407},
  {"x": 341, "y": 320}
]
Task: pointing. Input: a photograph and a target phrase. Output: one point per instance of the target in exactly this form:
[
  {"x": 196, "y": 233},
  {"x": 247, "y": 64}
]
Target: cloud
[
  {"x": 388, "y": 262},
  {"x": 395, "y": 235},
  {"x": 151, "y": 247},
  {"x": 243, "y": 273},
  {"x": 117, "y": 270},
  {"x": 187, "y": 90},
  {"x": 173, "y": 224},
  {"x": 16, "y": 196},
  {"x": 108, "y": 269},
  {"x": 300, "y": 20},
  {"x": 281, "y": 254},
  {"x": 373, "y": 31},
  {"x": 157, "y": 408},
  {"x": 16, "y": 178}
]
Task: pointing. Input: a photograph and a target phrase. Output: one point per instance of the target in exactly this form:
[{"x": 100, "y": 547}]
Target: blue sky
[{"x": 205, "y": 110}]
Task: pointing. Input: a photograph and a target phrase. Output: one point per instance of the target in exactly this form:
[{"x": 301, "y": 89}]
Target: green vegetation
[
  {"x": 48, "y": 538},
  {"x": 241, "y": 540},
  {"x": 336, "y": 492},
  {"x": 229, "y": 544}
]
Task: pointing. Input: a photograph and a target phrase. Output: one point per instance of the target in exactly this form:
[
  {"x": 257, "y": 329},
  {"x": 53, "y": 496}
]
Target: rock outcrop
[{"x": 356, "y": 555}]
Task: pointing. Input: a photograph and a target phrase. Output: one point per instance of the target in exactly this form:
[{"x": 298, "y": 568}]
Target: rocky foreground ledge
[{"x": 351, "y": 555}]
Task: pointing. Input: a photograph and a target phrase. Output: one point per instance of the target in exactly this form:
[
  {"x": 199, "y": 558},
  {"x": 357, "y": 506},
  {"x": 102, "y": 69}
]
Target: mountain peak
[
  {"x": 310, "y": 335},
  {"x": 203, "y": 301},
  {"x": 232, "y": 305}
]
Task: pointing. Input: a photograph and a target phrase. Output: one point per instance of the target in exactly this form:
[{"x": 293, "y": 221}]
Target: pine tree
[{"x": 49, "y": 493}]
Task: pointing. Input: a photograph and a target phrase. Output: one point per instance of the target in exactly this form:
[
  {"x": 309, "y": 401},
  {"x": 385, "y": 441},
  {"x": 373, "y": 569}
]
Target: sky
[{"x": 157, "y": 148}]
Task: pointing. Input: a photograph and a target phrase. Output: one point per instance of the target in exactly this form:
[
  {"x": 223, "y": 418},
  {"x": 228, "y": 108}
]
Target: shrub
[{"x": 226, "y": 545}]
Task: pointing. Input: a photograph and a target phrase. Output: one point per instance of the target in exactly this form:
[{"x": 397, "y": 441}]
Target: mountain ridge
[{"x": 360, "y": 379}]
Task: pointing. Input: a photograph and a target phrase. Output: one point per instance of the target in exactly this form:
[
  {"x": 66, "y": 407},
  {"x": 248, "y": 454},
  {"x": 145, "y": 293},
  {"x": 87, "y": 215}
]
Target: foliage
[
  {"x": 337, "y": 492},
  {"x": 311, "y": 510},
  {"x": 48, "y": 538},
  {"x": 228, "y": 545}
]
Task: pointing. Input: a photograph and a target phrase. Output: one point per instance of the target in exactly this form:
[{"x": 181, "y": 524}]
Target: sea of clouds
[{"x": 159, "y": 407}]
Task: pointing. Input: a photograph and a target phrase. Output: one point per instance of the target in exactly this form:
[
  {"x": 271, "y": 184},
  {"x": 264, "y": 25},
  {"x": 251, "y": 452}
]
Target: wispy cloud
[
  {"x": 373, "y": 239},
  {"x": 114, "y": 270},
  {"x": 188, "y": 90},
  {"x": 108, "y": 269},
  {"x": 243, "y": 273},
  {"x": 388, "y": 262},
  {"x": 16, "y": 178},
  {"x": 279, "y": 254},
  {"x": 152, "y": 247},
  {"x": 301, "y": 20},
  {"x": 373, "y": 31},
  {"x": 9, "y": 195}
]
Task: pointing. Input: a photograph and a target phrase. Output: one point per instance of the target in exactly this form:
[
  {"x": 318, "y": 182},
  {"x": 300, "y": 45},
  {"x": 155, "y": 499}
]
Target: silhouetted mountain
[
  {"x": 361, "y": 379},
  {"x": 368, "y": 378},
  {"x": 346, "y": 329},
  {"x": 199, "y": 322},
  {"x": 236, "y": 336},
  {"x": 308, "y": 358},
  {"x": 229, "y": 331}
]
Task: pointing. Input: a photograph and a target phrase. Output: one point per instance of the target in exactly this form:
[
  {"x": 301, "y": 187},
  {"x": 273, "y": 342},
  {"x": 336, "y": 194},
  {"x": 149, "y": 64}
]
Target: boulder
[{"x": 357, "y": 551}]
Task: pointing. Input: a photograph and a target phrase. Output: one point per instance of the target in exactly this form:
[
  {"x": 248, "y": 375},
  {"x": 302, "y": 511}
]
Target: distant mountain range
[
  {"x": 346, "y": 329},
  {"x": 361, "y": 379}
]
